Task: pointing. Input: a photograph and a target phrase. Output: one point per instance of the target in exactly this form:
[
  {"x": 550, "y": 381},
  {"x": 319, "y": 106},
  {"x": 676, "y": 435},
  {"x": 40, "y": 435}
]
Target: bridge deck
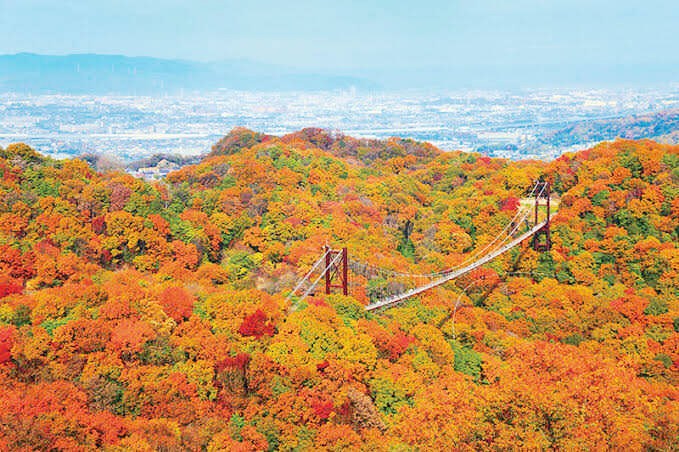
[{"x": 455, "y": 274}]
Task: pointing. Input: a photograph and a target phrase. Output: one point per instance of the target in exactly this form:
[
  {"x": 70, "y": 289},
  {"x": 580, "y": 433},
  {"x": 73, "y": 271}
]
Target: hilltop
[
  {"x": 351, "y": 149},
  {"x": 153, "y": 314}
]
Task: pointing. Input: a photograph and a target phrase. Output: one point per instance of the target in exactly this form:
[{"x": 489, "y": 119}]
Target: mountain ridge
[{"x": 92, "y": 73}]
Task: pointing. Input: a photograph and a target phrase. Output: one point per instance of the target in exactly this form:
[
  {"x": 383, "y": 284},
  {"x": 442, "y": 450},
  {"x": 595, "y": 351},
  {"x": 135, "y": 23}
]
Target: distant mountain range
[{"x": 116, "y": 74}]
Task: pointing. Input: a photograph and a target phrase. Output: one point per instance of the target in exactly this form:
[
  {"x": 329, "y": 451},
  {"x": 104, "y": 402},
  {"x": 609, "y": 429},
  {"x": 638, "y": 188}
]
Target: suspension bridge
[{"x": 532, "y": 220}]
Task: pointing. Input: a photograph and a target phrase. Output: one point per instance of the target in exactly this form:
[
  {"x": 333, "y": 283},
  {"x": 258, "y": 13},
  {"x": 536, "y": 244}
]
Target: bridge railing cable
[
  {"x": 521, "y": 212},
  {"x": 517, "y": 220},
  {"x": 387, "y": 302},
  {"x": 519, "y": 217},
  {"x": 315, "y": 283},
  {"x": 395, "y": 287},
  {"x": 307, "y": 276}
]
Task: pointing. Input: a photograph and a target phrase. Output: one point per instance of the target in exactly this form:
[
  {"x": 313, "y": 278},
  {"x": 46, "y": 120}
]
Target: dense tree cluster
[{"x": 153, "y": 316}]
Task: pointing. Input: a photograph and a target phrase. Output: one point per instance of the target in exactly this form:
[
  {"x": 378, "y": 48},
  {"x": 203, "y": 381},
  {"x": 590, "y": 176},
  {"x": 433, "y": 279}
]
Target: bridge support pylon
[
  {"x": 337, "y": 274},
  {"x": 542, "y": 240}
]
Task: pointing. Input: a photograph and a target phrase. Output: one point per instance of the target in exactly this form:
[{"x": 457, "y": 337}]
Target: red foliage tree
[
  {"x": 6, "y": 342},
  {"x": 177, "y": 303},
  {"x": 232, "y": 372},
  {"x": 322, "y": 409},
  {"x": 8, "y": 288},
  {"x": 99, "y": 225},
  {"x": 15, "y": 264},
  {"x": 397, "y": 344},
  {"x": 120, "y": 194},
  {"x": 239, "y": 362},
  {"x": 256, "y": 325},
  {"x": 129, "y": 336},
  {"x": 510, "y": 204}
]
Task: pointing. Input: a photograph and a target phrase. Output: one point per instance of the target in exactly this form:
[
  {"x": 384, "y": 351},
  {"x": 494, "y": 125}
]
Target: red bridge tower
[
  {"x": 542, "y": 240},
  {"x": 337, "y": 274}
]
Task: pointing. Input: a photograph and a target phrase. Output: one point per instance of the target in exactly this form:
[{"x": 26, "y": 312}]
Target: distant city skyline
[
  {"x": 536, "y": 124},
  {"x": 397, "y": 43}
]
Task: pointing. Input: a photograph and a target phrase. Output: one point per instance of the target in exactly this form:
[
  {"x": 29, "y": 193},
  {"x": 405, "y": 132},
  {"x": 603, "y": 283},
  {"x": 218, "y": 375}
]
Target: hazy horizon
[{"x": 529, "y": 43}]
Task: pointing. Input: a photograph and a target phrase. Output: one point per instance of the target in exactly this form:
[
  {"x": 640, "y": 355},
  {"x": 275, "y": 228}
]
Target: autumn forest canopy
[{"x": 153, "y": 315}]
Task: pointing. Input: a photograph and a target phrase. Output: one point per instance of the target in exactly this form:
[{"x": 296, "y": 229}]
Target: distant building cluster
[
  {"x": 503, "y": 124},
  {"x": 162, "y": 169}
]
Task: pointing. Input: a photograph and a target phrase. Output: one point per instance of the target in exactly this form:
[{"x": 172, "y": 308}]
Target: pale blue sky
[{"x": 362, "y": 36}]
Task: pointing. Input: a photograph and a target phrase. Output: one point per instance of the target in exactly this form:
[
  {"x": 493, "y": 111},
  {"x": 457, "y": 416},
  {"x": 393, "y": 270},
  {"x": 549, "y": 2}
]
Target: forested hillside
[
  {"x": 661, "y": 126},
  {"x": 153, "y": 316}
]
